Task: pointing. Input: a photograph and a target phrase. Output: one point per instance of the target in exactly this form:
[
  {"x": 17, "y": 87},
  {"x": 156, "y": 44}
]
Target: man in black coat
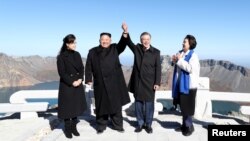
[
  {"x": 104, "y": 69},
  {"x": 145, "y": 79}
]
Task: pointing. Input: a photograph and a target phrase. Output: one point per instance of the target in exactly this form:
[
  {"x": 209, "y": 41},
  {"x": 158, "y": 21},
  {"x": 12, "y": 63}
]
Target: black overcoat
[
  {"x": 71, "y": 100},
  {"x": 146, "y": 71},
  {"x": 103, "y": 68}
]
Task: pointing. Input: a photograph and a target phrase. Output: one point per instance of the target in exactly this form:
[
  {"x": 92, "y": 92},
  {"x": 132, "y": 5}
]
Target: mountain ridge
[{"x": 34, "y": 69}]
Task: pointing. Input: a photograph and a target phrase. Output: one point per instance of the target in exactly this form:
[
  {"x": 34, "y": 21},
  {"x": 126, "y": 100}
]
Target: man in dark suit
[
  {"x": 104, "y": 69},
  {"x": 145, "y": 79}
]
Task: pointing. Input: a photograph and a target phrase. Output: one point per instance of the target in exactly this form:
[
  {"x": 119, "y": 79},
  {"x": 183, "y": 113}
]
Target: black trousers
[{"x": 116, "y": 119}]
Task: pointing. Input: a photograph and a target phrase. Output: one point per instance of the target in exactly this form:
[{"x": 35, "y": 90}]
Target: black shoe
[
  {"x": 121, "y": 130},
  {"x": 180, "y": 129},
  {"x": 99, "y": 131},
  {"x": 138, "y": 129},
  {"x": 149, "y": 129},
  {"x": 68, "y": 134},
  {"x": 67, "y": 129},
  {"x": 74, "y": 130},
  {"x": 188, "y": 131}
]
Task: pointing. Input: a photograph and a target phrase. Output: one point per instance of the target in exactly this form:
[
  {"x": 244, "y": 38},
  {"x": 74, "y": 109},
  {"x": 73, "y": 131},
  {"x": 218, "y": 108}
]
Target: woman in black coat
[{"x": 71, "y": 98}]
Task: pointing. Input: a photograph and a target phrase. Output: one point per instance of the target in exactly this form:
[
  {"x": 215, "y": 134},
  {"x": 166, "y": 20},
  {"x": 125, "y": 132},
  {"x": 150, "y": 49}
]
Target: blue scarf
[{"x": 184, "y": 80}]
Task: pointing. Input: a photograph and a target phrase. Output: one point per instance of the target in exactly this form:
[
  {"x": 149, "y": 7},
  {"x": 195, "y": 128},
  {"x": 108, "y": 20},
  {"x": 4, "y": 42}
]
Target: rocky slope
[{"x": 30, "y": 70}]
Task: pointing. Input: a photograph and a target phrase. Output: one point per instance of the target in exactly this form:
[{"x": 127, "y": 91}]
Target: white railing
[{"x": 203, "y": 98}]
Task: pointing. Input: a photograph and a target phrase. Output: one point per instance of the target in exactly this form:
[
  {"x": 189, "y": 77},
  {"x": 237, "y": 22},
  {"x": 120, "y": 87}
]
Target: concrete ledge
[
  {"x": 245, "y": 110},
  {"x": 23, "y": 95},
  {"x": 27, "y": 110},
  {"x": 203, "y": 98},
  {"x": 25, "y": 107}
]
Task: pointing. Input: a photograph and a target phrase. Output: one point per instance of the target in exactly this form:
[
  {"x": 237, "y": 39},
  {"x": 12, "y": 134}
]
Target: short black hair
[
  {"x": 145, "y": 33},
  {"x": 192, "y": 41},
  {"x": 105, "y": 33}
]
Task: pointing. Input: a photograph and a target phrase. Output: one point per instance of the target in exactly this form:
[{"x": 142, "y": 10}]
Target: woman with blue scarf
[{"x": 185, "y": 83}]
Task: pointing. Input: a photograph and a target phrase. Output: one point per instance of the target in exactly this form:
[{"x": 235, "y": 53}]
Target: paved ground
[
  {"x": 163, "y": 130},
  {"x": 49, "y": 128}
]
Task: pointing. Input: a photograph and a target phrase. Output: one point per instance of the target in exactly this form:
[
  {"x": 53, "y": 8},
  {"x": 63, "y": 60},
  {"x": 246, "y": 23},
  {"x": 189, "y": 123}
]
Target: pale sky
[{"x": 221, "y": 27}]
